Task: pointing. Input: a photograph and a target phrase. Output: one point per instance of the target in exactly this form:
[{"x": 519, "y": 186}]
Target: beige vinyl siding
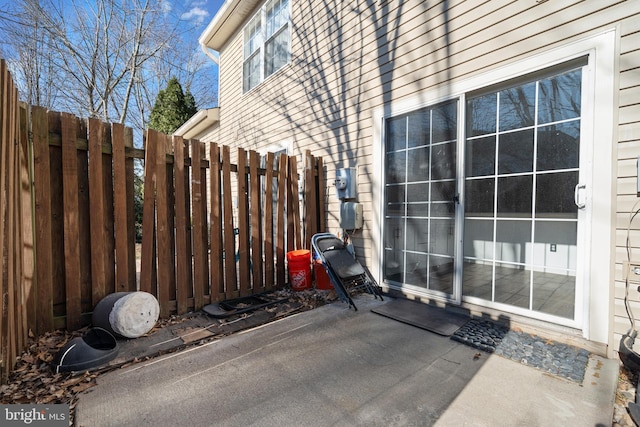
[
  {"x": 324, "y": 99},
  {"x": 628, "y": 151}
]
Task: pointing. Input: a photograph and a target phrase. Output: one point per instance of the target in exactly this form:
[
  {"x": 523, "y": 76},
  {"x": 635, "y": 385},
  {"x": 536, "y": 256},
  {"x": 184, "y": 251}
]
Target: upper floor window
[{"x": 266, "y": 43}]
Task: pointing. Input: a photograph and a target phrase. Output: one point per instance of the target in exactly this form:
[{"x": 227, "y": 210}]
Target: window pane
[
  {"x": 443, "y": 190},
  {"x": 560, "y": 97},
  {"x": 395, "y": 193},
  {"x": 555, "y": 247},
  {"x": 480, "y": 156},
  {"x": 418, "y": 192},
  {"x": 444, "y": 126},
  {"x": 517, "y": 107},
  {"x": 481, "y": 115},
  {"x": 558, "y": 146},
  {"x": 515, "y": 152},
  {"x": 277, "y": 16},
  {"x": 442, "y": 209},
  {"x": 277, "y": 52},
  {"x": 418, "y": 209},
  {"x": 418, "y": 164},
  {"x": 251, "y": 72},
  {"x": 444, "y": 161},
  {"x": 479, "y": 195},
  {"x": 417, "y": 235},
  {"x": 252, "y": 36},
  {"x": 395, "y": 170},
  {"x": 418, "y": 128},
  {"x": 513, "y": 285},
  {"x": 478, "y": 238},
  {"x": 396, "y": 133},
  {"x": 417, "y": 269},
  {"x": 554, "y": 195},
  {"x": 441, "y": 236},
  {"x": 515, "y": 196},
  {"x": 513, "y": 241},
  {"x": 441, "y": 274},
  {"x": 394, "y": 234}
]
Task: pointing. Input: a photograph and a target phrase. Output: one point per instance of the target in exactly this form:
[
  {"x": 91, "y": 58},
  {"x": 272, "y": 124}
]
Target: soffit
[{"x": 232, "y": 15}]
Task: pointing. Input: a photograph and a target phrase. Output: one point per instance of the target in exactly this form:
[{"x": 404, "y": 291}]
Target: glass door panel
[
  {"x": 420, "y": 191},
  {"x": 521, "y": 170}
]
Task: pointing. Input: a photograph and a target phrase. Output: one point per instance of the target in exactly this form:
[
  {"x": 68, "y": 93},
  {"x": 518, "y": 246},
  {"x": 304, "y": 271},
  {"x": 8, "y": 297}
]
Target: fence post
[
  {"x": 71, "y": 225},
  {"x": 199, "y": 235},
  {"x": 268, "y": 224},
  {"x": 42, "y": 198},
  {"x": 283, "y": 167},
  {"x": 97, "y": 218},
  {"x": 230, "y": 275},
  {"x": 215, "y": 255},
  {"x": 182, "y": 263},
  {"x": 121, "y": 200},
  {"x": 256, "y": 223}
]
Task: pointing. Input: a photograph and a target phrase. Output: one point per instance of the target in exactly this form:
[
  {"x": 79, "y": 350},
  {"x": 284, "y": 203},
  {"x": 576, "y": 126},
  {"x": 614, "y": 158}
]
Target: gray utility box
[
  {"x": 351, "y": 216},
  {"x": 345, "y": 183}
]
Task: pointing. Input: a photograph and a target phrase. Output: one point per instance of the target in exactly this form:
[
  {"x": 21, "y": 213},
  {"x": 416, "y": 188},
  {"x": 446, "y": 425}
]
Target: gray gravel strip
[{"x": 555, "y": 358}]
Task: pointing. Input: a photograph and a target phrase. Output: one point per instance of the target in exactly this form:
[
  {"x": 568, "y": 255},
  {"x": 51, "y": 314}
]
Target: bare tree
[{"x": 101, "y": 58}]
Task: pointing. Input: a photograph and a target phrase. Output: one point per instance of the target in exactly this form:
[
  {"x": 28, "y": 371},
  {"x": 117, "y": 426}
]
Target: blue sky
[{"x": 200, "y": 12}]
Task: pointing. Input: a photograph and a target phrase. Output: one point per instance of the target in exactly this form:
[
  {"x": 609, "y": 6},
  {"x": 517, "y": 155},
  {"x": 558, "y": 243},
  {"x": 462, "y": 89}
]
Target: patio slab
[{"x": 334, "y": 366}]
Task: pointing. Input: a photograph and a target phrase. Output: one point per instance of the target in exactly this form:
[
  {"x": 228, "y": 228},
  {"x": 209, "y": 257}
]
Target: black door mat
[
  {"x": 481, "y": 334},
  {"x": 556, "y": 358},
  {"x": 241, "y": 305},
  {"x": 424, "y": 316}
]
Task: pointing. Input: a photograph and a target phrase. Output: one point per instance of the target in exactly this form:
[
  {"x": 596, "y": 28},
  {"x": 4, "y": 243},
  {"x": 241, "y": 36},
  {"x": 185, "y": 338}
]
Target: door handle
[{"x": 576, "y": 195}]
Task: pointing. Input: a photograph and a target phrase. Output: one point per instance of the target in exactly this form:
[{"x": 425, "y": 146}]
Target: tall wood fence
[{"x": 211, "y": 230}]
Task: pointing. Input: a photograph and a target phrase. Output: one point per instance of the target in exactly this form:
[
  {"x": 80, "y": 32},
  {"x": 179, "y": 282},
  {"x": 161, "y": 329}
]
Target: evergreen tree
[{"x": 172, "y": 108}]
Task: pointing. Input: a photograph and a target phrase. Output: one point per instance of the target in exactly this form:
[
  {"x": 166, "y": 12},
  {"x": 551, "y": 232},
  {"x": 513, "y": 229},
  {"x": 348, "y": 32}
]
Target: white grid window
[{"x": 266, "y": 43}]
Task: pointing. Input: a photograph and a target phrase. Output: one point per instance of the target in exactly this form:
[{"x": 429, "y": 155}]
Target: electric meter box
[
  {"x": 345, "y": 183},
  {"x": 351, "y": 216}
]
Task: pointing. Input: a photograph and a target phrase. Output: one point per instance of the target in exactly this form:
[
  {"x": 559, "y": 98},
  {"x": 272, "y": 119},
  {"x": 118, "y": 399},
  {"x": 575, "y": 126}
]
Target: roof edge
[
  {"x": 231, "y": 15},
  {"x": 200, "y": 121}
]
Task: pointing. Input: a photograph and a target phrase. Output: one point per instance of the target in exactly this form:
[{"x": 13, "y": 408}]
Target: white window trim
[
  {"x": 601, "y": 78},
  {"x": 262, "y": 11}
]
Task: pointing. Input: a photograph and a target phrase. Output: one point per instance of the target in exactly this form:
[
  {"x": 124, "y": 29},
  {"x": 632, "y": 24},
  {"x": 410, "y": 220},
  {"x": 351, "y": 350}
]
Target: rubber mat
[{"x": 434, "y": 319}]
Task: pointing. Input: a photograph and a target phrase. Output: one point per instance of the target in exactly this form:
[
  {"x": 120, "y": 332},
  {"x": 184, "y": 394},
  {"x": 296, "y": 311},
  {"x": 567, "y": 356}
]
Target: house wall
[{"x": 351, "y": 59}]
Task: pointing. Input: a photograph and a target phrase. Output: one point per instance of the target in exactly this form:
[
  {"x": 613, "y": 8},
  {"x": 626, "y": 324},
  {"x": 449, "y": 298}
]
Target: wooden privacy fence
[
  {"x": 16, "y": 237},
  {"x": 211, "y": 230},
  {"x": 194, "y": 252}
]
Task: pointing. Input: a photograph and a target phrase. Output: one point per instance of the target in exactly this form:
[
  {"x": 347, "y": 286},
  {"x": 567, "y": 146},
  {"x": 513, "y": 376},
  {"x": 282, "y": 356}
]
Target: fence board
[
  {"x": 310, "y": 207},
  {"x": 322, "y": 226},
  {"x": 164, "y": 230},
  {"x": 5, "y": 318},
  {"x": 148, "y": 252},
  {"x": 230, "y": 272},
  {"x": 243, "y": 225},
  {"x": 182, "y": 263},
  {"x": 26, "y": 216},
  {"x": 122, "y": 230},
  {"x": 268, "y": 224},
  {"x": 216, "y": 251},
  {"x": 294, "y": 213},
  {"x": 42, "y": 199},
  {"x": 256, "y": 223},
  {"x": 281, "y": 227},
  {"x": 71, "y": 225},
  {"x": 57, "y": 223},
  {"x": 131, "y": 222},
  {"x": 84, "y": 218},
  {"x": 199, "y": 236},
  {"x": 97, "y": 218},
  {"x": 109, "y": 226}
]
